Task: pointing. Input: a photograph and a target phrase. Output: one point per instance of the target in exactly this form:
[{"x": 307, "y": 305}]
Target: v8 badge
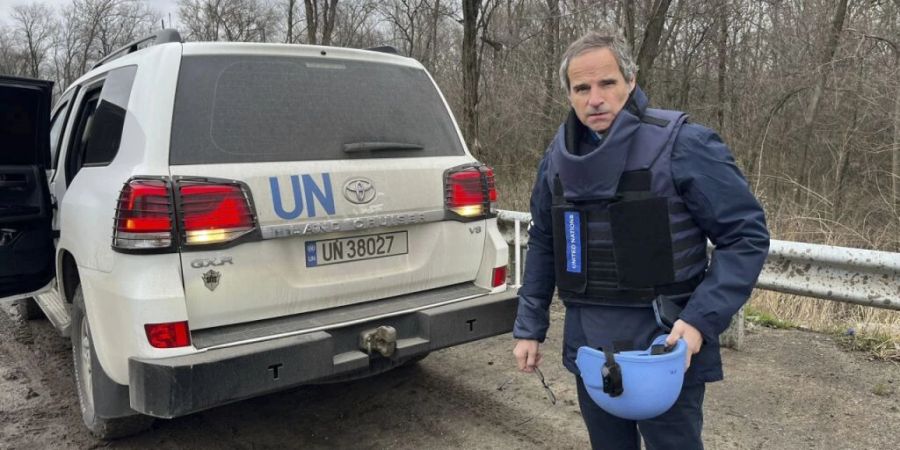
[{"x": 211, "y": 279}]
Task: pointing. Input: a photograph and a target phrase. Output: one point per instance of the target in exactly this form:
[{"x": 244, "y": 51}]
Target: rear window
[{"x": 235, "y": 109}]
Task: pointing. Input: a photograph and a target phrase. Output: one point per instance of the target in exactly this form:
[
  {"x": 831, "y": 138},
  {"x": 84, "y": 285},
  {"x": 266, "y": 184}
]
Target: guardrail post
[
  {"x": 733, "y": 336},
  {"x": 518, "y": 246}
]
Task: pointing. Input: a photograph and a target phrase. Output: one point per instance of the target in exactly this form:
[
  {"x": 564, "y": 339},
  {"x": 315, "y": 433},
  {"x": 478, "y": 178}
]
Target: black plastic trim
[{"x": 176, "y": 386}]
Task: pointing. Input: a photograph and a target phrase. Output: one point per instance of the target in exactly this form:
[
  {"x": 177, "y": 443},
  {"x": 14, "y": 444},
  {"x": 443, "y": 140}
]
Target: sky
[{"x": 165, "y": 6}]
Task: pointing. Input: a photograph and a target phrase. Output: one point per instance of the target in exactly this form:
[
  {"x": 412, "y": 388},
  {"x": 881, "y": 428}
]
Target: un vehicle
[{"x": 210, "y": 222}]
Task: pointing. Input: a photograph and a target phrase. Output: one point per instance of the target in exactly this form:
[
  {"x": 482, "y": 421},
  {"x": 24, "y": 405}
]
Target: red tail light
[
  {"x": 144, "y": 216},
  {"x": 499, "y": 278},
  {"x": 168, "y": 335},
  {"x": 470, "y": 191},
  {"x": 204, "y": 212},
  {"x": 213, "y": 213}
]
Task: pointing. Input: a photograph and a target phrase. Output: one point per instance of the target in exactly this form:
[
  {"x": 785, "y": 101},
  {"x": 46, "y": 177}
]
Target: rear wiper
[{"x": 358, "y": 147}]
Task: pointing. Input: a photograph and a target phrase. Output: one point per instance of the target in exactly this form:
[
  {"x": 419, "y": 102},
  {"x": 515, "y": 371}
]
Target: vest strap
[{"x": 631, "y": 297}]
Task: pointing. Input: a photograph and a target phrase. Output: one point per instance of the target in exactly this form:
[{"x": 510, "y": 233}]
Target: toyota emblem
[{"x": 359, "y": 191}]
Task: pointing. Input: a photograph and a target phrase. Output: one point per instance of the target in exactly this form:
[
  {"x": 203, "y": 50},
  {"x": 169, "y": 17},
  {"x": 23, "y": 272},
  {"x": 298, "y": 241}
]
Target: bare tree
[
  {"x": 722, "y": 56},
  {"x": 127, "y": 21},
  {"x": 358, "y": 25},
  {"x": 88, "y": 15},
  {"x": 320, "y": 12},
  {"x": 67, "y": 48},
  {"x": 228, "y": 20},
  {"x": 35, "y": 26},
  {"x": 407, "y": 18},
  {"x": 551, "y": 45},
  {"x": 290, "y": 21},
  {"x": 837, "y": 25},
  {"x": 12, "y": 60},
  {"x": 476, "y": 18},
  {"x": 650, "y": 43}
]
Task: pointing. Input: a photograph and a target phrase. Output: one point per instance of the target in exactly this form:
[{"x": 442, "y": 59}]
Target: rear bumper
[{"x": 176, "y": 386}]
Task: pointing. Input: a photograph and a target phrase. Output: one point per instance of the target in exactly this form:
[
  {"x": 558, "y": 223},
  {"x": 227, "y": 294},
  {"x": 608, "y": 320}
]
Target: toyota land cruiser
[{"x": 209, "y": 222}]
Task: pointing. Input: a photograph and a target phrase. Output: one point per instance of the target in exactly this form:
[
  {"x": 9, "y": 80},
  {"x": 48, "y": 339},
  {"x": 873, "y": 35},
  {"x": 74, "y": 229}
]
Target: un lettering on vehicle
[{"x": 306, "y": 195}]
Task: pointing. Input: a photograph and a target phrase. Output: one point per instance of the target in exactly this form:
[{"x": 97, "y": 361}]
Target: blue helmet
[{"x": 634, "y": 385}]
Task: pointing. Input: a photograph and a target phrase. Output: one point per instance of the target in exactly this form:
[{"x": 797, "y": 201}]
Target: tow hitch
[{"x": 382, "y": 340}]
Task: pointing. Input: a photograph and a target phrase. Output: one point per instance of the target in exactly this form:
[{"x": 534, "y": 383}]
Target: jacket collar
[{"x": 576, "y": 132}]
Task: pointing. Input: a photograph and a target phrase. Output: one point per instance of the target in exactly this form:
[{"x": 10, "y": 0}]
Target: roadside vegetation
[{"x": 858, "y": 328}]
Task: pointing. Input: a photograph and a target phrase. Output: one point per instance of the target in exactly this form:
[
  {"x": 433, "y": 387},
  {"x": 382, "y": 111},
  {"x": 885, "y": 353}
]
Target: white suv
[{"x": 226, "y": 220}]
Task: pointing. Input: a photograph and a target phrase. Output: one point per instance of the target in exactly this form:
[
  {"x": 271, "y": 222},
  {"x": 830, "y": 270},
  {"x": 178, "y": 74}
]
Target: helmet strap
[{"x": 612, "y": 375}]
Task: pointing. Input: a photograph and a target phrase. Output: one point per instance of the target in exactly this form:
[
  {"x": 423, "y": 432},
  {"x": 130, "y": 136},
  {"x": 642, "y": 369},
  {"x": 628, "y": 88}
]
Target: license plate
[{"x": 357, "y": 248}]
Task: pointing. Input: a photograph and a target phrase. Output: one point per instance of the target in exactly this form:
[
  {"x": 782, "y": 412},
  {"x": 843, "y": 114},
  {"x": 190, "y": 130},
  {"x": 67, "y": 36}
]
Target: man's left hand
[{"x": 692, "y": 337}]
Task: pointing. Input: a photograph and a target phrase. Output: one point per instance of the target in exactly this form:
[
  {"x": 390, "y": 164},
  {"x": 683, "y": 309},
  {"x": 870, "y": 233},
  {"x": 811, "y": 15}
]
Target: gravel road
[{"x": 787, "y": 389}]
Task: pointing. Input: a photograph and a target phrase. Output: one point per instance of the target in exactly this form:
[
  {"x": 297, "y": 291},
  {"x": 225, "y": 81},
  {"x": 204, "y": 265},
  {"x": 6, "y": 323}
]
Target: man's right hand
[{"x": 528, "y": 354}]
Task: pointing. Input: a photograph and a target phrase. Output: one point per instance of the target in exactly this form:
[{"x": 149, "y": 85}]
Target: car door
[{"x": 26, "y": 239}]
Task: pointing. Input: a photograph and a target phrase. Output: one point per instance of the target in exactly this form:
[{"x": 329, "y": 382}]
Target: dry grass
[{"x": 875, "y": 331}]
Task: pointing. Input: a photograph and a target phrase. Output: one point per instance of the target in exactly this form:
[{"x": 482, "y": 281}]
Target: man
[{"x": 623, "y": 204}]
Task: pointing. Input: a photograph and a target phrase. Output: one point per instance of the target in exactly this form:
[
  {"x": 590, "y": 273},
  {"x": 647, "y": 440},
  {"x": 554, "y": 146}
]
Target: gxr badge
[{"x": 211, "y": 279}]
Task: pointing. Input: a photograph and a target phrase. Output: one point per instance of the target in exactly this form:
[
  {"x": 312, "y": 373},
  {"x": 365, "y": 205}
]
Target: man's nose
[{"x": 595, "y": 98}]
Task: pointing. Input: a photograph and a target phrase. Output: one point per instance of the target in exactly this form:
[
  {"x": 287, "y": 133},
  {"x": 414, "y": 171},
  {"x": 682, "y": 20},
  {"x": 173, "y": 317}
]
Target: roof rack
[
  {"x": 160, "y": 37},
  {"x": 384, "y": 49}
]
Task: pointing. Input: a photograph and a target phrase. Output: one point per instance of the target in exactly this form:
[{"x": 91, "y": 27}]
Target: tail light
[
  {"x": 499, "y": 276},
  {"x": 144, "y": 216},
  {"x": 470, "y": 192},
  {"x": 161, "y": 215},
  {"x": 213, "y": 213},
  {"x": 168, "y": 335}
]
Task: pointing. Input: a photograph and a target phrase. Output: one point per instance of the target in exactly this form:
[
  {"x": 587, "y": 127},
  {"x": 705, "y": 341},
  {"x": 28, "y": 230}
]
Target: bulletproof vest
[{"x": 622, "y": 234}]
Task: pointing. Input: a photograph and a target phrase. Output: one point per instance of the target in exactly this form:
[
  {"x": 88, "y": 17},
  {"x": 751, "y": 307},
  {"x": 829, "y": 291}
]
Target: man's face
[{"x": 598, "y": 90}]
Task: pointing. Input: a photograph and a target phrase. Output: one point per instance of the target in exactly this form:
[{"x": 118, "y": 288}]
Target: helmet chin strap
[{"x": 612, "y": 375}]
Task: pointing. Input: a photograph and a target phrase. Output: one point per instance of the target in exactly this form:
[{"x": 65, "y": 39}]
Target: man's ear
[{"x": 631, "y": 85}]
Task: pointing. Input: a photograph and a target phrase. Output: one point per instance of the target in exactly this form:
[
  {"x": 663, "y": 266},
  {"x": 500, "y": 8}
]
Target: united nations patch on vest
[{"x": 573, "y": 241}]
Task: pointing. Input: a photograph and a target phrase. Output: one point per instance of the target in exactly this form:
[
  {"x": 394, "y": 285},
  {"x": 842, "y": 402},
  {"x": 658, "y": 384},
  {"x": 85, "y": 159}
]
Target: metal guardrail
[{"x": 862, "y": 277}]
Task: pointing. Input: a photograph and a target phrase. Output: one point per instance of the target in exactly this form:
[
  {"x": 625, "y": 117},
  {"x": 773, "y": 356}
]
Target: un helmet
[{"x": 634, "y": 385}]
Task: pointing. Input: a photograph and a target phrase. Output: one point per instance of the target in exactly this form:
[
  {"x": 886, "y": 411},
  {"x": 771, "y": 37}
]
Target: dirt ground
[{"x": 788, "y": 389}]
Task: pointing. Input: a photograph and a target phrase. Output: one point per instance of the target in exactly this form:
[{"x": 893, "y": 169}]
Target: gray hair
[{"x": 602, "y": 38}]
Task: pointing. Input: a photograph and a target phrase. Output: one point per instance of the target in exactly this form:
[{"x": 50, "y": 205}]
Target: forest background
[{"x": 805, "y": 92}]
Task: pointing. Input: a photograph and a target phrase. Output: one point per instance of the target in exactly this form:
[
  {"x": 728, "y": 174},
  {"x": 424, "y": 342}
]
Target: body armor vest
[{"x": 622, "y": 234}]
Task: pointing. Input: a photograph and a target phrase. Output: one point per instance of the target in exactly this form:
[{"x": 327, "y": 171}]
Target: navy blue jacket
[{"x": 720, "y": 201}]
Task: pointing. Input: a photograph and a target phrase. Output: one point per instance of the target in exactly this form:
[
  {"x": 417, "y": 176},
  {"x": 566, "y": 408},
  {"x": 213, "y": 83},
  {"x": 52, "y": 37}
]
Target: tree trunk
[
  {"x": 290, "y": 21},
  {"x": 470, "y": 71},
  {"x": 650, "y": 43},
  {"x": 435, "y": 20},
  {"x": 312, "y": 20},
  {"x": 837, "y": 26},
  {"x": 328, "y": 17},
  {"x": 629, "y": 24},
  {"x": 846, "y": 147},
  {"x": 550, "y": 59},
  {"x": 723, "y": 66},
  {"x": 895, "y": 163}
]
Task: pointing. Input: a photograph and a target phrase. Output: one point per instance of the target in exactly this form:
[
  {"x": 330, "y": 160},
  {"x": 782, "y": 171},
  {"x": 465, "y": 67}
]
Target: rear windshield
[{"x": 235, "y": 109}]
